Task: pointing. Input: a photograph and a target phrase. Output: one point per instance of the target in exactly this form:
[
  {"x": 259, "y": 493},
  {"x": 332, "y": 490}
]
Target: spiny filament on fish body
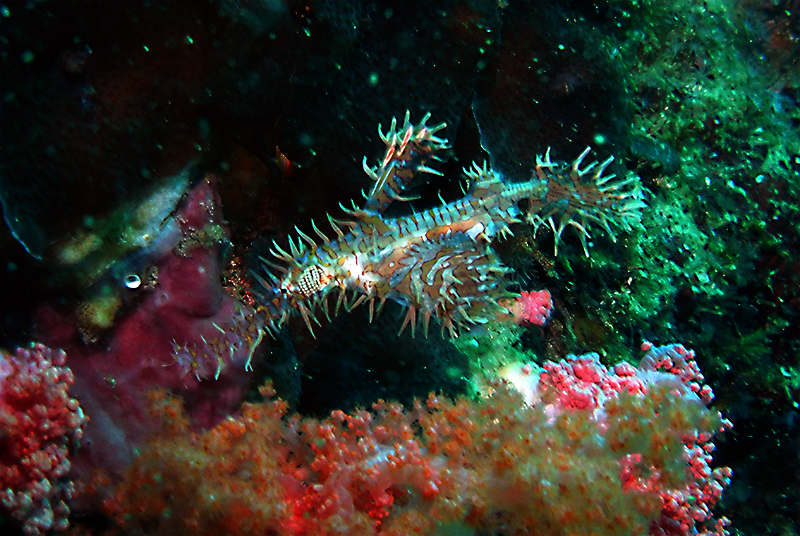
[{"x": 438, "y": 262}]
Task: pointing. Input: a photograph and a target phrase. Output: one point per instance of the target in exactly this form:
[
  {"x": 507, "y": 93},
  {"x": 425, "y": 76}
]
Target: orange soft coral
[{"x": 597, "y": 452}]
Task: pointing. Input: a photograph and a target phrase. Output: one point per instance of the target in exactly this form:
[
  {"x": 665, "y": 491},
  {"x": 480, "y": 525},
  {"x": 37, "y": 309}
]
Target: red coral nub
[
  {"x": 533, "y": 308},
  {"x": 39, "y": 423}
]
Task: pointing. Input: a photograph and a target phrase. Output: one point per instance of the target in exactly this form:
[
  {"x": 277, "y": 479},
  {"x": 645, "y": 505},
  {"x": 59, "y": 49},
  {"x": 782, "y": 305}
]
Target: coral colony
[
  {"x": 568, "y": 448},
  {"x": 39, "y": 423}
]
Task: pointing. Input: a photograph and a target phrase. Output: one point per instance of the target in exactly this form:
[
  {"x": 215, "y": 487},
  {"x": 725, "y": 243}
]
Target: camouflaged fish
[{"x": 438, "y": 263}]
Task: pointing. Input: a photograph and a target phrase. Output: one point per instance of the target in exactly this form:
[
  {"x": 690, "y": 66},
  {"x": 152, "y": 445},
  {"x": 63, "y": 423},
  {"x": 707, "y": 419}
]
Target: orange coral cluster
[
  {"x": 497, "y": 465},
  {"x": 220, "y": 482}
]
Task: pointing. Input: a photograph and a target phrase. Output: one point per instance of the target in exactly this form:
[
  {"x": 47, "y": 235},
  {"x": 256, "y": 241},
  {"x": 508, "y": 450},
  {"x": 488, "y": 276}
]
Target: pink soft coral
[{"x": 39, "y": 424}]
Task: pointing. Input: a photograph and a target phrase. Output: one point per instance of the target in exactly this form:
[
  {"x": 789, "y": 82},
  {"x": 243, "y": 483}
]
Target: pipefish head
[{"x": 299, "y": 281}]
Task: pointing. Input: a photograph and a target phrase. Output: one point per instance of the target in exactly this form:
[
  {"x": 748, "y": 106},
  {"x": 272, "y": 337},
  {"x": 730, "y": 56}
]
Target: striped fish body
[{"x": 439, "y": 262}]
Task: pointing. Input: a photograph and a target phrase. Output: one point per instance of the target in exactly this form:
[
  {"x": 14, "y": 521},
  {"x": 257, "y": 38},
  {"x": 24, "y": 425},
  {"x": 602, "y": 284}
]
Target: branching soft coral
[{"x": 597, "y": 452}]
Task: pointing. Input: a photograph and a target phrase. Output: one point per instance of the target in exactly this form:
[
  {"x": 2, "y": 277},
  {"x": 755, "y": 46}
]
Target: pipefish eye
[{"x": 311, "y": 280}]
